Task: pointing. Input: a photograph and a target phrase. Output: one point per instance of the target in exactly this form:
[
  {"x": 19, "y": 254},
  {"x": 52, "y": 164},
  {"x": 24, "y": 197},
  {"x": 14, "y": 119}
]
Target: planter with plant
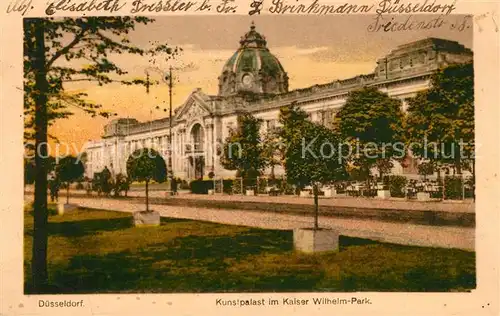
[
  {"x": 146, "y": 165},
  {"x": 68, "y": 170},
  {"x": 318, "y": 166}
]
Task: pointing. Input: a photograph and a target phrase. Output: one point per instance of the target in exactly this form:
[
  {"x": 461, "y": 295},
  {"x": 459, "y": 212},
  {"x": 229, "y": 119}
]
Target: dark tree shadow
[
  {"x": 88, "y": 227},
  {"x": 209, "y": 263}
]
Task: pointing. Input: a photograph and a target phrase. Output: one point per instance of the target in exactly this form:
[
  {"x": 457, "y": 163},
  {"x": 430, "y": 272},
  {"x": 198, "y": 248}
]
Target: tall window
[{"x": 198, "y": 137}]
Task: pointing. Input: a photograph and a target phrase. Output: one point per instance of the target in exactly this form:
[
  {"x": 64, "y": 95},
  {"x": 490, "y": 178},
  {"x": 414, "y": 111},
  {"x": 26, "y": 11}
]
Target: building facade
[{"x": 253, "y": 80}]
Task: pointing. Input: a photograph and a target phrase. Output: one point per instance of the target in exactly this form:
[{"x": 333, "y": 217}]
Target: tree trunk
[
  {"x": 67, "y": 192},
  {"x": 474, "y": 179},
  {"x": 40, "y": 235},
  {"x": 458, "y": 165},
  {"x": 316, "y": 206},
  {"x": 147, "y": 196},
  {"x": 381, "y": 173}
]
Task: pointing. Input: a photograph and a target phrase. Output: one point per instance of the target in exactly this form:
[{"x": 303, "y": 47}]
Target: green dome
[{"x": 253, "y": 68}]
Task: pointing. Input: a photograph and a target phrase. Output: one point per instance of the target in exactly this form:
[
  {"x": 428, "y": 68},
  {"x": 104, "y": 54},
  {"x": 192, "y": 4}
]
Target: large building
[{"x": 253, "y": 80}]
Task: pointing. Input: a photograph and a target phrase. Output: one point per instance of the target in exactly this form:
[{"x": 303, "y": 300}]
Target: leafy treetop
[
  {"x": 80, "y": 50},
  {"x": 442, "y": 117},
  {"x": 69, "y": 169},
  {"x": 145, "y": 165},
  {"x": 375, "y": 122},
  {"x": 314, "y": 154},
  {"x": 244, "y": 149}
]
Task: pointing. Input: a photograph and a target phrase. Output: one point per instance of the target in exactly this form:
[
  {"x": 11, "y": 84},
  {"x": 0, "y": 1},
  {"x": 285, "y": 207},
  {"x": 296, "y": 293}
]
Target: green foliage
[
  {"x": 358, "y": 173},
  {"x": 200, "y": 186},
  {"x": 244, "y": 149},
  {"x": 30, "y": 168},
  {"x": 69, "y": 169},
  {"x": 443, "y": 116},
  {"x": 237, "y": 188},
  {"x": 121, "y": 183},
  {"x": 273, "y": 149},
  {"x": 370, "y": 119},
  {"x": 313, "y": 153},
  {"x": 57, "y": 52},
  {"x": 396, "y": 185},
  {"x": 261, "y": 185},
  {"x": 102, "y": 182},
  {"x": 146, "y": 164},
  {"x": 80, "y": 50},
  {"x": 91, "y": 244},
  {"x": 29, "y": 171},
  {"x": 453, "y": 188},
  {"x": 426, "y": 169}
]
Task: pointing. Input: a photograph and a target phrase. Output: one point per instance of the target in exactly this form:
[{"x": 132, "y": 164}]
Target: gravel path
[
  {"x": 400, "y": 233},
  {"x": 467, "y": 206}
]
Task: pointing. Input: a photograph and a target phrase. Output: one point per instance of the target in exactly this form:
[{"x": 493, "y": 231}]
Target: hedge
[
  {"x": 397, "y": 185},
  {"x": 201, "y": 186}
]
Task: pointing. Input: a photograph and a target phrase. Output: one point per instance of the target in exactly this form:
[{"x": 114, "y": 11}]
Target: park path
[
  {"x": 399, "y": 233},
  {"x": 467, "y": 206}
]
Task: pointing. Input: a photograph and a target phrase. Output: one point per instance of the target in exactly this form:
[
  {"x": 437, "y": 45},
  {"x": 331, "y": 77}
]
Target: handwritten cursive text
[
  {"x": 165, "y": 6},
  {"x": 19, "y": 6},
  {"x": 93, "y": 5},
  {"x": 281, "y": 7},
  {"x": 395, "y": 6}
]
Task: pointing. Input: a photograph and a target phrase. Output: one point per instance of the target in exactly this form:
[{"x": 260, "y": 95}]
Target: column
[{"x": 208, "y": 146}]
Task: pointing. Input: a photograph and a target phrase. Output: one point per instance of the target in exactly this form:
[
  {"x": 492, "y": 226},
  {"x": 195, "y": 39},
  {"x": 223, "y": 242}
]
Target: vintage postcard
[{"x": 239, "y": 157}]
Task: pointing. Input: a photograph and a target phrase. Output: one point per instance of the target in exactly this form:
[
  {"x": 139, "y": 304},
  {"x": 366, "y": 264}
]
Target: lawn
[{"x": 93, "y": 251}]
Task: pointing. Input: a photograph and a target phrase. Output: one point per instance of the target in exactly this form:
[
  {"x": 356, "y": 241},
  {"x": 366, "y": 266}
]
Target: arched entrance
[{"x": 196, "y": 152}]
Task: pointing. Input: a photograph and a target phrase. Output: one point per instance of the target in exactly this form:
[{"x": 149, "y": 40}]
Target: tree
[
  {"x": 68, "y": 170},
  {"x": 29, "y": 171},
  {"x": 440, "y": 123},
  {"x": 426, "y": 169},
  {"x": 244, "y": 149},
  {"x": 120, "y": 183},
  {"x": 374, "y": 122},
  {"x": 314, "y": 155},
  {"x": 272, "y": 149},
  {"x": 53, "y": 49},
  {"x": 145, "y": 165}
]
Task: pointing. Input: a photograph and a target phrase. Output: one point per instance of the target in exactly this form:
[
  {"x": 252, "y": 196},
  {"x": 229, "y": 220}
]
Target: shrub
[
  {"x": 101, "y": 182},
  {"x": 396, "y": 185},
  {"x": 227, "y": 186},
  {"x": 250, "y": 184},
  {"x": 262, "y": 184},
  {"x": 201, "y": 186},
  {"x": 237, "y": 189},
  {"x": 288, "y": 188},
  {"x": 453, "y": 188},
  {"x": 120, "y": 183}
]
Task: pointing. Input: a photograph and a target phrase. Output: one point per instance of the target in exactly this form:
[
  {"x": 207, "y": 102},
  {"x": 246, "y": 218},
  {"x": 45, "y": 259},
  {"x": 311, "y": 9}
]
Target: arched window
[{"x": 198, "y": 137}]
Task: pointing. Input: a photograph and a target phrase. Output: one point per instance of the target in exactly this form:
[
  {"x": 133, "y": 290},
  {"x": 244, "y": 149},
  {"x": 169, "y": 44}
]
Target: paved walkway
[
  {"x": 400, "y": 233},
  {"x": 467, "y": 206}
]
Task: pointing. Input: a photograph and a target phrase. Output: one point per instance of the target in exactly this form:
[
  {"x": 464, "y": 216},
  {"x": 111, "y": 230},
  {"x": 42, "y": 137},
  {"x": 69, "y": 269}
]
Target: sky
[{"x": 312, "y": 49}]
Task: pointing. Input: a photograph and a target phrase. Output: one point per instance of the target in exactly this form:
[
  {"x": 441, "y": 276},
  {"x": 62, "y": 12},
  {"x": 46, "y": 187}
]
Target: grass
[{"x": 93, "y": 251}]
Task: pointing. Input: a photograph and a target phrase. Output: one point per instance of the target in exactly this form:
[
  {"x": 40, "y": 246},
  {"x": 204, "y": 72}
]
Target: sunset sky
[{"x": 312, "y": 49}]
